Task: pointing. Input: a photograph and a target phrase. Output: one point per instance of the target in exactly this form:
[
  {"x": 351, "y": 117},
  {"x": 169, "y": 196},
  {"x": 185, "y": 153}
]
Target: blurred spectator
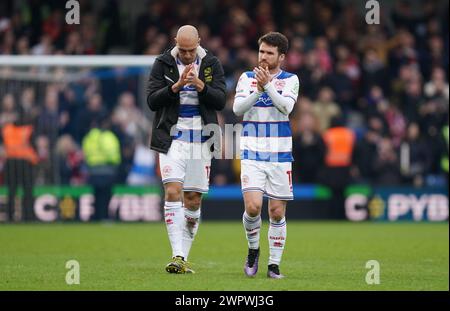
[
  {"x": 28, "y": 103},
  {"x": 295, "y": 56},
  {"x": 74, "y": 45},
  {"x": 23, "y": 46},
  {"x": 325, "y": 108},
  {"x": 20, "y": 160},
  {"x": 366, "y": 149},
  {"x": 323, "y": 55},
  {"x": 46, "y": 169},
  {"x": 130, "y": 119},
  {"x": 403, "y": 52},
  {"x": 308, "y": 150},
  {"x": 340, "y": 142},
  {"x": 153, "y": 19},
  {"x": 433, "y": 115},
  {"x": 89, "y": 115},
  {"x": 311, "y": 75},
  {"x": 396, "y": 123},
  {"x": 53, "y": 25},
  {"x": 44, "y": 47},
  {"x": 342, "y": 86},
  {"x": 8, "y": 110},
  {"x": 223, "y": 171},
  {"x": 239, "y": 30},
  {"x": 415, "y": 157},
  {"x": 50, "y": 120},
  {"x": 407, "y": 74},
  {"x": 116, "y": 81},
  {"x": 7, "y": 44},
  {"x": 101, "y": 149},
  {"x": 70, "y": 160},
  {"x": 437, "y": 87},
  {"x": 387, "y": 165},
  {"x": 434, "y": 55},
  {"x": 350, "y": 64},
  {"x": 373, "y": 72},
  {"x": 412, "y": 99},
  {"x": 375, "y": 102}
]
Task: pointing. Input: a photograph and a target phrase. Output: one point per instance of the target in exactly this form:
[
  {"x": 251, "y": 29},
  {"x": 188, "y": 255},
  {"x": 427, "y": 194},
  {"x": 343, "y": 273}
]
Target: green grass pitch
[{"x": 318, "y": 256}]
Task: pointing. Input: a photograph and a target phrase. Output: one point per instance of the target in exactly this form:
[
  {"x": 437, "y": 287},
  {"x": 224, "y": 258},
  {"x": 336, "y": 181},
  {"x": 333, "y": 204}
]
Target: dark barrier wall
[
  {"x": 362, "y": 203},
  {"x": 233, "y": 209},
  {"x": 311, "y": 202}
]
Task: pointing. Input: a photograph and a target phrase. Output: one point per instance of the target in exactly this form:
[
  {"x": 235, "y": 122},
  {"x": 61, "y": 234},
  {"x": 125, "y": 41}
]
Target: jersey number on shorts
[{"x": 289, "y": 173}]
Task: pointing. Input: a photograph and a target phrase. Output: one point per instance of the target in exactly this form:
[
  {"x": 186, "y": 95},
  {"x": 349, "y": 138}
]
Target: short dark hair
[{"x": 275, "y": 39}]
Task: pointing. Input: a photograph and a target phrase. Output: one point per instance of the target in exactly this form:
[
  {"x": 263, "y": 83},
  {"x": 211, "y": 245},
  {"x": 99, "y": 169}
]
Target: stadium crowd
[{"x": 388, "y": 83}]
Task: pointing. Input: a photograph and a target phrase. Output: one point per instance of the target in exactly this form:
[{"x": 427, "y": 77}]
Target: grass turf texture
[{"x": 318, "y": 256}]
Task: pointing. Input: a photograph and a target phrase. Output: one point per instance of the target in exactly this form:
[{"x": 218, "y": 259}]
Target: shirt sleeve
[
  {"x": 292, "y": 88},
  {"x": 243, "y": 100},
  {"x": 285, "y": 101}
]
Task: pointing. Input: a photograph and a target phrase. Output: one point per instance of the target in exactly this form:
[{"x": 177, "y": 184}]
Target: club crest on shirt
[
  {"x": 166, "y": 171},
  {"x": 279, "y": 85}
]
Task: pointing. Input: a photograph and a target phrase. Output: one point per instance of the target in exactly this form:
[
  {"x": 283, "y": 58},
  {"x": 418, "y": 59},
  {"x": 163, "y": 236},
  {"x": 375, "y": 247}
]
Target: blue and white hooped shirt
[
  {"x": 266, "y": 133},
  {"x": 189, "y": 124}
]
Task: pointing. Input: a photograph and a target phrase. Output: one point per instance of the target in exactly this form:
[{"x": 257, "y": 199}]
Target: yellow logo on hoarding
[
  {"x": 376, "y": 207},
  {"x": 67, "y": 207}
]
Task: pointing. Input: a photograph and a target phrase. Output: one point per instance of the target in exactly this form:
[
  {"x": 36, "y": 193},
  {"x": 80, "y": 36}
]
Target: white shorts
[
  {"x": 187, "y": 163},
  {"x": 273, "y": 179}
]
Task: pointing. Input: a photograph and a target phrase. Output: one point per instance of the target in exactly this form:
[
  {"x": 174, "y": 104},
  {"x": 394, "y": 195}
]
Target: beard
[{"x": 266, "y": 65}]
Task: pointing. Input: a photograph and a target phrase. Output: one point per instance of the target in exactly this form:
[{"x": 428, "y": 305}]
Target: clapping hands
[
  {"x": 189, "y": 76},
  {"x": 262, "y": 76}
]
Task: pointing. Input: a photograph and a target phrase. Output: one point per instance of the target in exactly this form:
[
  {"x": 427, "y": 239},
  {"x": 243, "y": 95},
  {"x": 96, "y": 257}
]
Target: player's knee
[
  {"x": 192, "y": 200},
  {"x": 173, "y": 193},
  {"x": 252, "y": 209},
  {"x": 276, "y": 213}
]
